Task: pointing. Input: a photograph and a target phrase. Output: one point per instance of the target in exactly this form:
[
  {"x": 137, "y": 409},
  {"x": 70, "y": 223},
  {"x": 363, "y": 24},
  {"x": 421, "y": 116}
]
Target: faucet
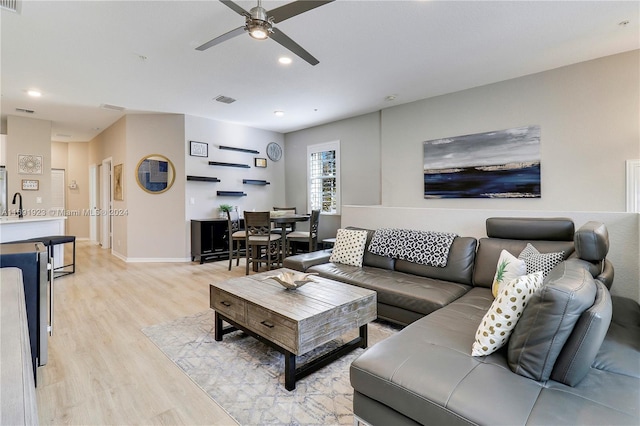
[{"x": 20, "y": 215}]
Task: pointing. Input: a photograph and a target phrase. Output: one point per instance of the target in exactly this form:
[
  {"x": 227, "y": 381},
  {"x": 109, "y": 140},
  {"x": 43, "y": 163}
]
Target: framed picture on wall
[
  {"x": 30, "y": 184},
  {"x": 117, "y": 183},
  {"x": 260, "y": 162},
  {"x": 198, "y": 149},
  {"x": 30, "y": 164}
]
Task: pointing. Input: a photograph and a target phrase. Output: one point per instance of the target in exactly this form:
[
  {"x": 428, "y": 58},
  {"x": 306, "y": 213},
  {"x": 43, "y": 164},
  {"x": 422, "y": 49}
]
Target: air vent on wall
[
  {"x": 112, "y": 107},
  {"x": 12, "y": 5},
  {"x": 224, "y": 99},
  {"x": 26, "y": 111}
]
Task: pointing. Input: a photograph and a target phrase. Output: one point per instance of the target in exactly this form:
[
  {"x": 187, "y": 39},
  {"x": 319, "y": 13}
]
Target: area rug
[{"x": 246, "y": 377}]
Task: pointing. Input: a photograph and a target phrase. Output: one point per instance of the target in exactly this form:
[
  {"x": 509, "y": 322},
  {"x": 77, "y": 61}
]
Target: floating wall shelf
[
  {"x": 231, "y": 194},
  {"x": 231, "y": 148},
  {"x": 255, "y": 182},
  {"x": 217, "y": 163},
  {"x": 203, "y": 179}
]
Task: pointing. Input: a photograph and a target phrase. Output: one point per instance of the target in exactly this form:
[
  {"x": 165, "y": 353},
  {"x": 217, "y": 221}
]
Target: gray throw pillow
[{"x": 537, "y": 261}]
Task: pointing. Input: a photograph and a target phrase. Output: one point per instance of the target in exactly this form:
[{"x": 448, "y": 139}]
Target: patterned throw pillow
[
  {"x": 499, "y": 321},
  {"x": 349, "y": 247},
  {"x": 509, "y": 268},
  {"x": 537, "y": 261}
]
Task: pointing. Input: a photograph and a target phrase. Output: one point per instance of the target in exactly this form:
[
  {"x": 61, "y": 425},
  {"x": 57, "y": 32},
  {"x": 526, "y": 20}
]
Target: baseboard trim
[{"x": 156, "y": 260}]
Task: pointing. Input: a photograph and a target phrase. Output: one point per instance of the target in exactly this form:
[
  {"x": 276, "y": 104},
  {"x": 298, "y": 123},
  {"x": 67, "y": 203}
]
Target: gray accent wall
[
  {"x": 589, "y": 114},
  {"x": 360, "y": 158}
]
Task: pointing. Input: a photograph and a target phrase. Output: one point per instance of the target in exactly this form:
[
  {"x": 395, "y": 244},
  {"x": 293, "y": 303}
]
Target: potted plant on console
[{"x": 224, "y": 208}]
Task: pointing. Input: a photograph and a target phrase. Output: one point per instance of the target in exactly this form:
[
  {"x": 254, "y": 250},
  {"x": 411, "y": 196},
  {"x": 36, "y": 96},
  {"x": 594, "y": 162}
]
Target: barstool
[{"x": 53, "y": 240}]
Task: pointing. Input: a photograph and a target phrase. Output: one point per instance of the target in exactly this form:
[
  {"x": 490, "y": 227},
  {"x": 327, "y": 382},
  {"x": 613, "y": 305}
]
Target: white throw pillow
[
  {"x": 537, "y": 261},
  {"x": 501, "y": 318},
  {"x": 509, "y": 268},
  {"x": 349, "y": 247}
]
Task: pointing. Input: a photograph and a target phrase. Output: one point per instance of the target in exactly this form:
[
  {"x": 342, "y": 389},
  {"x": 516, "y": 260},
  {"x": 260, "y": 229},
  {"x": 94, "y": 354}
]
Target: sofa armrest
[{"x": 302, "y": 262}]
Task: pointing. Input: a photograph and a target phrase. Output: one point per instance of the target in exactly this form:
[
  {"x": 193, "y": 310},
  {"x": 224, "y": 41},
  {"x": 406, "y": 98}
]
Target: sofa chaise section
[{"x": 425, "y": 374}]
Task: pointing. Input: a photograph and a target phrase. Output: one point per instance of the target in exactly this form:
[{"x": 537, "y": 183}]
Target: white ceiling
[{"x": 141, "y": 55}]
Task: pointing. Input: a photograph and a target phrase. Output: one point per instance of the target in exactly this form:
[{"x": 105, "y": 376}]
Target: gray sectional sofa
[{"x": 573, "y": 358}]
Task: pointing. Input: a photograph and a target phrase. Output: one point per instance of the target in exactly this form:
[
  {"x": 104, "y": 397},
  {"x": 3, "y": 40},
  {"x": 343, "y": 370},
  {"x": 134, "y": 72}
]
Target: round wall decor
[{"x": 274, "y": 152}]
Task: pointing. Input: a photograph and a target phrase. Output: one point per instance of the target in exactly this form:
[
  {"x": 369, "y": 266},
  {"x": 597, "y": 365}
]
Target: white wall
[
  {"x": 154, "y": 221},
  {"x": 589, "y": 119},
  {"x": 201, "y": 200},
  {"x": 361, "y": 164},
  {"x": 29, "y": 136}
]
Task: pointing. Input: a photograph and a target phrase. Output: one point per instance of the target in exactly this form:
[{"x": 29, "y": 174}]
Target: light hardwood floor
[{"x": 102, "y": 369}]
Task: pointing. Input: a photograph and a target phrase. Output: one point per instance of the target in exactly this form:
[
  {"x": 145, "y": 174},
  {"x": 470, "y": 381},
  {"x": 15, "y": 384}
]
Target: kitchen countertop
[{"x": 16, "y": 219}]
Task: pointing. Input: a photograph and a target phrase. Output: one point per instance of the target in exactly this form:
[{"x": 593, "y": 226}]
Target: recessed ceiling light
[
  {"x": 284, "y": 60},
  {"x": 34, "y": 93},
  {"x": 390, "y": 98},
  {"x": 278, "y": 113}
]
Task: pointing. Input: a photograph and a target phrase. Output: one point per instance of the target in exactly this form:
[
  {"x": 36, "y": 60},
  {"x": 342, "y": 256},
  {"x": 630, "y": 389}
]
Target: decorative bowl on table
[{"x": 292, "y": 280}]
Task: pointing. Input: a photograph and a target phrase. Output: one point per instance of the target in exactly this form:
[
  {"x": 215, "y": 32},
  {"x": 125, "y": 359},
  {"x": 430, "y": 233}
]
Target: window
[{"x": 323, "y": 168}]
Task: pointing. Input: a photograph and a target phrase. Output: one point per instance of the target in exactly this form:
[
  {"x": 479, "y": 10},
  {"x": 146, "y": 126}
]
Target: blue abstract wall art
[{"x": 498, "y": 164}]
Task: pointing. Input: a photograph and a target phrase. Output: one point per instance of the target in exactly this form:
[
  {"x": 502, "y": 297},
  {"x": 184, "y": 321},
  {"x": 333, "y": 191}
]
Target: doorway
[
  {"x": 106, "y": 192},
  {"x": 94, "y": 196},
  {"x": 58, "y": 190}
]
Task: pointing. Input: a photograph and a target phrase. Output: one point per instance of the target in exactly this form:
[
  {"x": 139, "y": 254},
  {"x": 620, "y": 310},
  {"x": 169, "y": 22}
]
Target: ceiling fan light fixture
[
  {"x": 259, "y": 28},
  {"x": 258, "y": 33}
]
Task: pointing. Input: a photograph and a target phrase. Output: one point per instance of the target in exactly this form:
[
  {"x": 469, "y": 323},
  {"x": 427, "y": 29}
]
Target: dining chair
[
  {"x": 289, "y": 227},
  {"x": 236, "y": 237},
  {"x": 310, "y": 237},
  {"x": 258, "y": 235}
]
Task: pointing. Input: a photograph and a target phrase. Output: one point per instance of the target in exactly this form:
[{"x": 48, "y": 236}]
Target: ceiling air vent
[
  {"x": 26, "y": 111},
  {"x": 12, "y": 5},
  {"x": 112, "y": 107},
  {"x": 224, "y": 99}
]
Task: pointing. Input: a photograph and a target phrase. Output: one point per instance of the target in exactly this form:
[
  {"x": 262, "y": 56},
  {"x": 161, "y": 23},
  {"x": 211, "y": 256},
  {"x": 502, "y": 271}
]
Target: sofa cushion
[
  {"x": 583, "y": 344},
  {"x": 536, "y": 261},
  {"x": 459, "y": 269},
  {"x": 508, "y": 269},
  {"x": 417, "y": 294},
  {"x": 549, "y": 319},
  {"x": 349, "y": 247},
  {"x": 501, "y": 318},
  {"x": 620, "y": 350}
]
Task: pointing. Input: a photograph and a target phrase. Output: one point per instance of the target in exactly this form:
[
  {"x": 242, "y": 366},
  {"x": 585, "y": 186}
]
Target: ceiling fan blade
[
  {"x": 289, "y": 10},
  {"x": 285, "y": 41},
  {"x": 236, "y": 8},
  {"x": 220, "y": 39}
]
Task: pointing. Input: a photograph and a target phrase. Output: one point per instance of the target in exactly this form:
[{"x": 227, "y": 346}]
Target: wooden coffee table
[{"x": 294, "y": 321}]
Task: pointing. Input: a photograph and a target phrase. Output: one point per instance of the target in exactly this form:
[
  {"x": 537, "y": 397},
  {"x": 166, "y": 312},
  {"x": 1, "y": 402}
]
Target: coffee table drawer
[
  {"x": 274, "y": 327},
  {"x": 227, "y": 304}
]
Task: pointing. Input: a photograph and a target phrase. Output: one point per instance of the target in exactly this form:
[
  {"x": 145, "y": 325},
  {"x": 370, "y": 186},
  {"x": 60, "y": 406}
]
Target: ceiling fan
[{"x": 259, "y": 23}]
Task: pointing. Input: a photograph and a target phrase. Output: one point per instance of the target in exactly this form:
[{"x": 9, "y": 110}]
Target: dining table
[{"x": 282, "y": 219}]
